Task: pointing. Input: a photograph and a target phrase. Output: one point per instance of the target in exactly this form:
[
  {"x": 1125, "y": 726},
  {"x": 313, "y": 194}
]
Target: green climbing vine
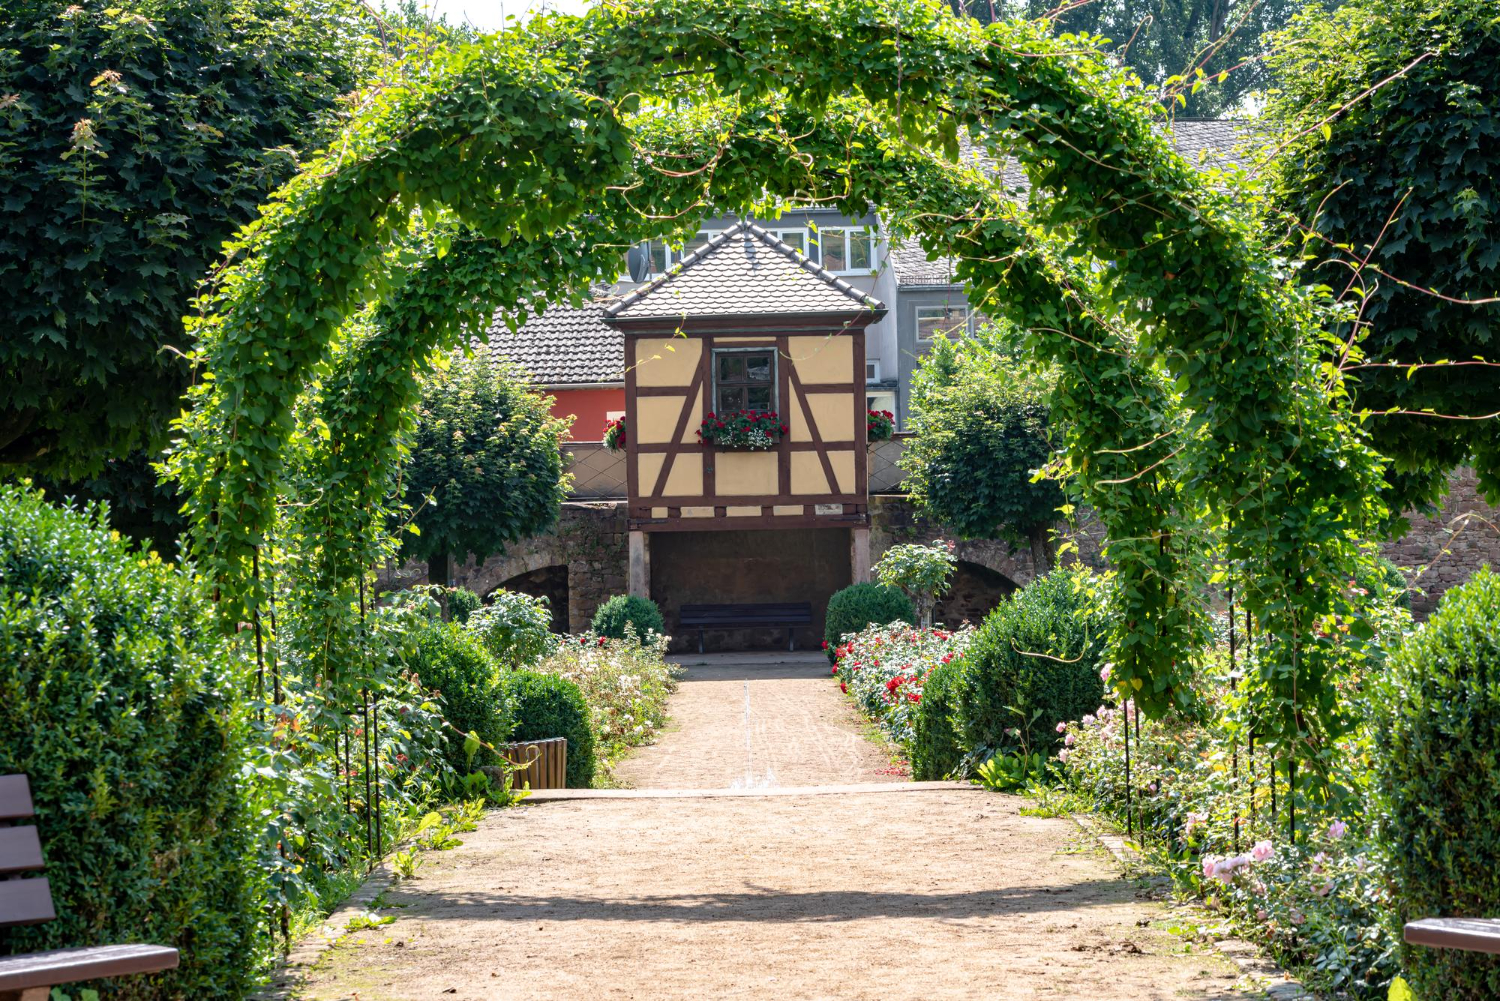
[{"x": 510, "y": 175}]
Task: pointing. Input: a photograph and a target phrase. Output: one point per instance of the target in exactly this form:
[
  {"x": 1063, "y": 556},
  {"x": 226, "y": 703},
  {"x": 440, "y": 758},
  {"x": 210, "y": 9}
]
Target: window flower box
[
  {"x": 614, "y": 435},
  {"x": 879, "y": 425},
  {"x": 743, "y": 430}
]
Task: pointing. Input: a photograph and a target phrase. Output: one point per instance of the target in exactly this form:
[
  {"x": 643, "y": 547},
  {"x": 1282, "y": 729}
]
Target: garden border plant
[{"x": 1190, "y": 378}]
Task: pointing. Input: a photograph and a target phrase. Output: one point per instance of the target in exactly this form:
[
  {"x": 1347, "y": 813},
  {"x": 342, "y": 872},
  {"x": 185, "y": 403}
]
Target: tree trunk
[
  {"x": 1043, "y": 558},
  {"x": 439, "y": 573}
]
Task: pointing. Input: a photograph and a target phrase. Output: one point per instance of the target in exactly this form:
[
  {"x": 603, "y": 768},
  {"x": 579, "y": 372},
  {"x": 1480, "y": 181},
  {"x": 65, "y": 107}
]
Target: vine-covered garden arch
[{"x": 511, "y": 173}]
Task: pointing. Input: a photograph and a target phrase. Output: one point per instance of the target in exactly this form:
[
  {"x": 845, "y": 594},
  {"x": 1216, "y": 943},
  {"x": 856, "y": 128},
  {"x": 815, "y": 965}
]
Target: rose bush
[
  {"x": 884, "y": 668},
  {"x": 626, "y": 683}
]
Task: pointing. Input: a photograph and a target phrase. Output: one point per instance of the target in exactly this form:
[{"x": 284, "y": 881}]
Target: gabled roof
[
  {"x": 1202, "y": 142},
  {"x": 565, "y": 345},
  {"x": 743, "y": 271}
]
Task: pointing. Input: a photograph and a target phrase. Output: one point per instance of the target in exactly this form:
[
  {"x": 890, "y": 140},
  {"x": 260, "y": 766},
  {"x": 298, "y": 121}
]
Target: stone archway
[
  {"x": 974, "y": 593},
  {"x": 550, "y": 582}
]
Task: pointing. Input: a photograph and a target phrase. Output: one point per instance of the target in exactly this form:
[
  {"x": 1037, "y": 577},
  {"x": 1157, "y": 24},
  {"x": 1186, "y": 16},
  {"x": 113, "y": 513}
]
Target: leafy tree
[
  {"x": 136, "y": 138},
  {"x": 1405, "y": 175},
  {"x": 486, "y": 464},
  {"x": 982, "y": 427},
  {"x": 1162, "y": 39}
]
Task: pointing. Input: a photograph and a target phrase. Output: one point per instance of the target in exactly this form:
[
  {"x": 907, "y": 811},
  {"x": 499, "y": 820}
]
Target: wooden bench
[
  {"x": 1469, "y": 934},
  {"x": 26, "y": 899},
  {"x": 789, "y": 614}
]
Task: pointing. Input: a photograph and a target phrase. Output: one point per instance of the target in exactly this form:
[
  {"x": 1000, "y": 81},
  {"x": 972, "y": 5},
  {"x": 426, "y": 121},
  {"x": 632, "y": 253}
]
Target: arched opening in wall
[
  {"x": 975, "y": 592},
  {"x": 545, "y": 582}
]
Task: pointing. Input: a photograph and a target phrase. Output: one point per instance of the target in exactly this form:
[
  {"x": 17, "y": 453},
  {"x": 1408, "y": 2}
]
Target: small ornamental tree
[
  {"x": 982, "y": 430},
  {"x": 486, "y": 466},
  {"x": 923, "y": 572},
  {"x": 1393, "y": 131}
]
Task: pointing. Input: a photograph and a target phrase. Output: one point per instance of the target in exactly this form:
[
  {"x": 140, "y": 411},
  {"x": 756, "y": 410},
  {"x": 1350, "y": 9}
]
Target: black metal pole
[
  {"x": 1234, "y": 747},
  {"x": 1129, "y": 815}
]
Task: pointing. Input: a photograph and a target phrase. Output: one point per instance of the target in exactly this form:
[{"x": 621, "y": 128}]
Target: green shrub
[
  {"x": 462, "y": 603},
  {"x": 547, "y": 706},
  {"x": 1040, "y": 653},
  {"x": 123, "y": 705},
  {"x": 935, "y": 753},
  {"x": 861, "y": 605},
  {"x": 624, "y": 611},
  {"x": 1440, "y": 768},
  {"x": 450, "y": 659},
  {"x": 515, "y": 628}
]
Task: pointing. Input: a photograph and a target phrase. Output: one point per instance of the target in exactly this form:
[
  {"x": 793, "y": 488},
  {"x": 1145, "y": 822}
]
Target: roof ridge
[{"x": 762, "y": 236}]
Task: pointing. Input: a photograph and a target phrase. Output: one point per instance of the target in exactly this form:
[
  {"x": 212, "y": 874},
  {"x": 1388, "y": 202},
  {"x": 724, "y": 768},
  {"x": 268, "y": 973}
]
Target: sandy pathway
[
  {"x": 888, "y": 894},
  {"x": 778, "y": 721}
]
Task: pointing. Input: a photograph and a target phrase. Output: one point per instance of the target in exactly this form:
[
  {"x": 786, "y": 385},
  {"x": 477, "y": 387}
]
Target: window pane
[
  {"x": 831, "y": 243},
  {"x": 658, "y": 257},
  {"x": 860, "y": 251},
  {"x": 731, "y": 368},
  {"x": 941, "y": 321},
  {"x": 796, "y": 239},
  {"x": 759, "y": 398},
  {"x": 758, "y": 368},
  {"x": 729, "y": 400}
]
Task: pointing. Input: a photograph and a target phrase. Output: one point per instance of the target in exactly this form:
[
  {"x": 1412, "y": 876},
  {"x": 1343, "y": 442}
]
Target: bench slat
[
  {"x": 20, "y": 849},
  {"x": 15, "y": 797},
  {"x": 65, "y": 966},
  {"x": 1469, "y": 934},
  {"x": 25, "y": 901}
]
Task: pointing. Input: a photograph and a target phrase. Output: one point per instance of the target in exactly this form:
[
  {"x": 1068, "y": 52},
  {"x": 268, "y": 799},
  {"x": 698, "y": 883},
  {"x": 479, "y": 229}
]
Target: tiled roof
[
  {"x": 565, "y": 346},
  {"x": 1202, "y": 142},
  {"x": 742, "y": 271}
]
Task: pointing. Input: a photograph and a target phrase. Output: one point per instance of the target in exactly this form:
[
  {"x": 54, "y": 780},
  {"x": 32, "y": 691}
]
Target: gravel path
[
  {"x": 918, "y": 893},
  {"x": 775, "y": 722}
]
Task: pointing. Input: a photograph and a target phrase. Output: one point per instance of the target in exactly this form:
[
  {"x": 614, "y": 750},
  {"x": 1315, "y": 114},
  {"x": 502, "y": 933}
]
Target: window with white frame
[
  {"x": 846, "y": 249},
  {"x": 884, "y": 399},
  {"x": 661, "y": 257},
  {"x": 950, "y": 321}
]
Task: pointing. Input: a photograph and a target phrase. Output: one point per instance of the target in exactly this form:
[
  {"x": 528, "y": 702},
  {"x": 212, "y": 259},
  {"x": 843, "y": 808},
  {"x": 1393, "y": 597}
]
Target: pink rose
[
  {"x": 1068, "y": 740},
  {"x": 1336, "y": 830},
  {"x": 1062, "y": 728},
  {"x": 1262, "y": 851}
]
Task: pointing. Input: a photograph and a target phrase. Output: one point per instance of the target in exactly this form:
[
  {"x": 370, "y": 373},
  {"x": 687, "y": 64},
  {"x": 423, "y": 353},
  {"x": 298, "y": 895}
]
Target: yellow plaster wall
[
  {"x": 657, "y": 417},
  {"x": 741, "y": 511},
  {"x": 807, "y": 474},
  {"x": 808, "y": 478},
  {"x": 739, "y": 474},
  {"x": 834, "y": 415},
  {"x": 666, "y": 361},
  {"x": 685, "y": 479},
  {"x": 823, "y": 358}
]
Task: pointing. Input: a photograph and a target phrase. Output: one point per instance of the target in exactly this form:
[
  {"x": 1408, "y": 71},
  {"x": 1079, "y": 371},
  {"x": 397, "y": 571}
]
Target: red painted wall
[{"x": 589, "y": 407}]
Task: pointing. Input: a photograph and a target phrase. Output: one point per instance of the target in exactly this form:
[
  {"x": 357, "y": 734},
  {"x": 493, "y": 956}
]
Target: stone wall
[
  {"x": 1444, "y": 551},
  {"x": 591, "y": 542}
]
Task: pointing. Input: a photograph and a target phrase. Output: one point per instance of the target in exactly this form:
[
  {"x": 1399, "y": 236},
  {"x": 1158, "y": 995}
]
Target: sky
[{"x": 489, "y": 15}]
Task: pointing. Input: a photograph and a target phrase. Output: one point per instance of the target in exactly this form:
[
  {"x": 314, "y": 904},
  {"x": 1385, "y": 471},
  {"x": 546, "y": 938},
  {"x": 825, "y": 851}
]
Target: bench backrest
[
  {"x": 25, "y": 898},
  {"x": 771, "y": 612}
]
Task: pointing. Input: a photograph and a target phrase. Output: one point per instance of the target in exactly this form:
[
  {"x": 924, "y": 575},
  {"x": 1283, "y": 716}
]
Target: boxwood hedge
[{"x": 122, "y": 705}]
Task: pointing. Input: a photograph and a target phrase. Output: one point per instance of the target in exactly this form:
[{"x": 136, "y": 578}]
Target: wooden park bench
[
  {"x": 26, "y": 899},
  {"x": 789, "y": 614},
  {"x": 1468, "y": 934}
]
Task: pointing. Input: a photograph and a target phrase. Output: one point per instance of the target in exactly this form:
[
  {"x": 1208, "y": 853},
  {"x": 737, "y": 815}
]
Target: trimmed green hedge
[
  {"x": 450, "y": 659},
  {"x": 861, "y": 605},
  {"x": 934, "y": 748},
  {"x": 124, "y": 707},
  {"x": 1040, "y": 652},
  {"x": 462, "y": 603},
  {"x": 547, "y": 706},
  {"x": 1440, "y": 769},
  {"x": 625, "y": 611}
]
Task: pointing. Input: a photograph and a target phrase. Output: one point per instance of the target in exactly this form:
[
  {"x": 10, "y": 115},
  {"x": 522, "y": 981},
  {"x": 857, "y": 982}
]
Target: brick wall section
[{"x": 1444, "y": 551}]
